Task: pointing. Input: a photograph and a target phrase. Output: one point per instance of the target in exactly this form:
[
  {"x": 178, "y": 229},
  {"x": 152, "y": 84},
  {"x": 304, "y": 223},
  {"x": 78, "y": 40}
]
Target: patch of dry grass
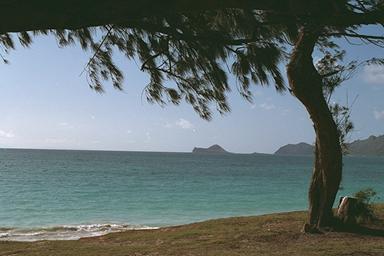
[{"x": 274, "y": 234}]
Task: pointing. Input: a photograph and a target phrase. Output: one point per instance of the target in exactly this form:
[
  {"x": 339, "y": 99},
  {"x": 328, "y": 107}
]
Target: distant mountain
[
  {"x": 215, "y": 149},
  {"x": 296, "y": 149},
  {"x": 373, "y": 146}
]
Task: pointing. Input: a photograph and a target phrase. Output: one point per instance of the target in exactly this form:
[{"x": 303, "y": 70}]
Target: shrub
[{"x": 364, "y": 210}]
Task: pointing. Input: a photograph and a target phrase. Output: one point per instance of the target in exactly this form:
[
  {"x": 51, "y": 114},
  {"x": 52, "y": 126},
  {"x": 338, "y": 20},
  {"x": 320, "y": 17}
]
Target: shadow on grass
[
  {"x": 373, "y": 228},
  {"x": 367, "y": 231},
  {"x": 363, "y": 230}
]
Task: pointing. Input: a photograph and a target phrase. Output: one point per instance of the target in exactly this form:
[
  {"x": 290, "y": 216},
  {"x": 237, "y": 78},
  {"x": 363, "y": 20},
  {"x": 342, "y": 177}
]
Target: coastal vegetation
[
  {"x": 365, "y": 209},
  {"x": 273, "y": 234}
]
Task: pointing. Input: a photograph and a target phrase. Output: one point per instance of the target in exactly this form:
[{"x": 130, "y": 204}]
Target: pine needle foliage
[{"x": 188, "y": 55}]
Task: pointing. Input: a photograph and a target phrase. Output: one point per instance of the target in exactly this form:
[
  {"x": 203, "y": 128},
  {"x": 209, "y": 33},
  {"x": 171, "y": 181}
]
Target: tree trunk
[{"x": 306, "y": 84}]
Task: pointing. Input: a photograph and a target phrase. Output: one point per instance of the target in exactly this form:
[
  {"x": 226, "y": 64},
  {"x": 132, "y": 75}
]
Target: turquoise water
[{"x": 68, "y": 194}]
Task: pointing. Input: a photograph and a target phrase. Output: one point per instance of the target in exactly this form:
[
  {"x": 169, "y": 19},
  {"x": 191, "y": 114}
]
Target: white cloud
[
  {"x": 184, "y": 124},
  {"x": 379, "y": 115},
  {"x": 374, "y": 74},
  {"x": 267, "y": 106},
  {"x": 6, "y": 134},
  {"x": 128, "y": 131},
  {"x": 93, "y": 117}
]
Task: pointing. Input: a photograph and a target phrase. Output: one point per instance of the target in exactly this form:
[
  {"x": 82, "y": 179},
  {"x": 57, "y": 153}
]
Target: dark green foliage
[
  {"x": 188, "y": 55},
  {"x": 6, "y": 42},
  {"x": 365, "y": 211},
  {"x": 333, "y": 72},
  {"x": 192, "y": 53},
  {"x": 342, "y": 116}
]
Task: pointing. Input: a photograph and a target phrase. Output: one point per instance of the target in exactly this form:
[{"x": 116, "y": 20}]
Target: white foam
[
  {"x": 67, "y": 232},
  {"x": 3, "y": 235}
]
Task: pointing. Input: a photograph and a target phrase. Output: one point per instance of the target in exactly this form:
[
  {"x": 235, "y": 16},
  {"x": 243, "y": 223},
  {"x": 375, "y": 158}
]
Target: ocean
[{"x": 65, "y": 194}]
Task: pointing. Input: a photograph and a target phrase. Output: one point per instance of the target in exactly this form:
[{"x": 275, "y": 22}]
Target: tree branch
[
  {"x": 356, "y": 35},
  {"x": 26, "y": 15},
  {"x": 98, "y": 49}
]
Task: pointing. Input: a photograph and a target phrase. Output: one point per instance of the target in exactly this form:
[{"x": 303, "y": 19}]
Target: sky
[{"x": 46, "y": 103}]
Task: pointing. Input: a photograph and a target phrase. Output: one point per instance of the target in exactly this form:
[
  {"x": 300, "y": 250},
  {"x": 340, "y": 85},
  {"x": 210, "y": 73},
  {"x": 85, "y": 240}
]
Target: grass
[{"x": 273, "y": 234}]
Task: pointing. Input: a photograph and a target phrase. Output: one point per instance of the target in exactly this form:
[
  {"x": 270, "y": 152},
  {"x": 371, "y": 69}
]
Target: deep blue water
[{"x": 87, "y": 191}]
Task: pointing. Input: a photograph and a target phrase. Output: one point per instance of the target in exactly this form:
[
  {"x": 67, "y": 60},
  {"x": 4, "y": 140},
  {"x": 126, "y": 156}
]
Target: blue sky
[{"x": 45, "y": 103}]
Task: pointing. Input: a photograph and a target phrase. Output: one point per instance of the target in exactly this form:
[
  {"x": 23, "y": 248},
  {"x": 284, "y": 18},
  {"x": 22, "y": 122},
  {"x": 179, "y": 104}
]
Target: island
[
  {"x": 212, "y": 150},
  {"x": 372, "y": 146},
  {"x": 296, "y": 149}
]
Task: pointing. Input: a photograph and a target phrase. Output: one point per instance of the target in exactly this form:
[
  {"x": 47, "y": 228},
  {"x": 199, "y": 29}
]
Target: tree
[
  {"x": 194, "y": 44},
  {"x": 334, "y": 75}
]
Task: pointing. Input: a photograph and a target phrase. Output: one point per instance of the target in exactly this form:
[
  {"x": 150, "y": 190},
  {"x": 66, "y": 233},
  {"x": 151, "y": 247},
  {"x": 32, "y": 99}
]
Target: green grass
[{"x": 274, "y": 234}]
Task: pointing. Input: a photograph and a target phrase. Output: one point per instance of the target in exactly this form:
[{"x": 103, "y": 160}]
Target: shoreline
[
  {"x": 73, "y": 232},
  {"x": 69, "y": 232},
  {"x": 270, "y": 234}
]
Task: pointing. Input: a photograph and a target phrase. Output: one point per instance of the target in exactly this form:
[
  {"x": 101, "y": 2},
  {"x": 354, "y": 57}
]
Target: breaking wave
[{"x": 66, "y": 232}]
